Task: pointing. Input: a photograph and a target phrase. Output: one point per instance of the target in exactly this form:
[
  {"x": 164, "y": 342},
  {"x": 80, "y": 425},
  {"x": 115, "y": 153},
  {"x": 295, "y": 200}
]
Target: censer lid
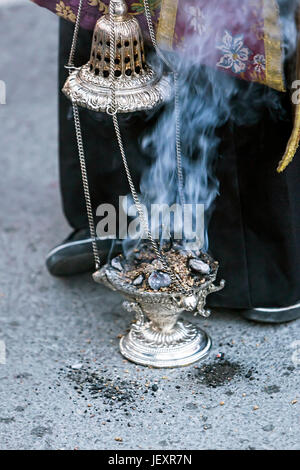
[{"x": 137, "y": 86}]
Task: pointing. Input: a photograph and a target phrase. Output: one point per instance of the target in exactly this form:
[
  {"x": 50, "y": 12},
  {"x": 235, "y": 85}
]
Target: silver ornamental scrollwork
[
  {"x": 140, "y": 317},
  {"x": 137, "y": 94}
]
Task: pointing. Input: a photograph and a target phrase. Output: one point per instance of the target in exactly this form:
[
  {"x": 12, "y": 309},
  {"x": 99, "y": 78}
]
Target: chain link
[
  {"x": 75, "y": 36},
  {"x": 85, "y": 183},
  {"x": 82, "y": 161},
  {"x": 176, "y": 102},
  {"x": 178, "y": 143}
]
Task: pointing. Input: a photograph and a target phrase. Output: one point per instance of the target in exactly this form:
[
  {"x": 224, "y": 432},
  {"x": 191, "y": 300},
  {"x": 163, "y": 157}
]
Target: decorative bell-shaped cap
[{"x": 137, "y": 86}]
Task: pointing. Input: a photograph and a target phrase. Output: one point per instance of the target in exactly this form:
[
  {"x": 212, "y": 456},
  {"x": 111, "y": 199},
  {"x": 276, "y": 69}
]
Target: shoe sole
[
  {"x": 273, "y": 315},
  {"x": 77, "y": 257}
]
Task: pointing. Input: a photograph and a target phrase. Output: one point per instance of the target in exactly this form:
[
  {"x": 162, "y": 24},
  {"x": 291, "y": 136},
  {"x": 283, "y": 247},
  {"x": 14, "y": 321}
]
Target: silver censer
[
  {"x": 117, "y": 79},
  {"x": 159, "y": 338}
]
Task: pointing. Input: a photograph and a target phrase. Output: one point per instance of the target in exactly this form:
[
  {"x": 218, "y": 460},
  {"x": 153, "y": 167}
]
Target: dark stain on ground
[
  {"x": 41, "y": 431},
  {"x": 7, "y": 420},
  {"x": 24, "y": 375},
  {"x": 270, "y": 389},
  {"x": 218, "y": 373},
  {"x": 95, "y": 385}
]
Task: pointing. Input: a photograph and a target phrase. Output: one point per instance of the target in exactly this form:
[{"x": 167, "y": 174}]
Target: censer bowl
[{"x": 158, "y": 337}]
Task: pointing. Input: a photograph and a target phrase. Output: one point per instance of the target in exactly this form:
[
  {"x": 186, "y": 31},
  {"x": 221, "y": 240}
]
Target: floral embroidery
[
  {"x": 65, "y": 11},
  {"x": 196, "y": 18},
  {"x": 236, "y": 54},
  {"x": 138, "y": 7},
  {"x": 101, "y": 5},
  {"x": 259, "y": 62}
]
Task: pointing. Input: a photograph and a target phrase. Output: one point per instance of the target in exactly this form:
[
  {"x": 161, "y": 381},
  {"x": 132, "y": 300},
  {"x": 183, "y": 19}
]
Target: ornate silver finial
[{"x": 118, "y": 8}]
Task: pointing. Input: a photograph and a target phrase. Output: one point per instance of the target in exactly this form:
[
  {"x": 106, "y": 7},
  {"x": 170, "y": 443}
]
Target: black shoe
[
  {"x": 75, "y": 254},
  {"x": 273, "y": 315}
]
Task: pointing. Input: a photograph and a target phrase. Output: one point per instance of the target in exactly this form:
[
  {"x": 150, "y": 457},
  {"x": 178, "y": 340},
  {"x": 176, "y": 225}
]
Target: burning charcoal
[
  {"x": 159, "y": 279},
  {"x": 199, "y": 266},
  {"x": 117, "y": 263},
  {"x": 138, "y": 280}
]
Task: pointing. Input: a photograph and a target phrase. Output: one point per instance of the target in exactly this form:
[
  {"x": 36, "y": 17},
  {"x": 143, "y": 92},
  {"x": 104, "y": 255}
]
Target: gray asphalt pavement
[{"x": 64, "y": 384}]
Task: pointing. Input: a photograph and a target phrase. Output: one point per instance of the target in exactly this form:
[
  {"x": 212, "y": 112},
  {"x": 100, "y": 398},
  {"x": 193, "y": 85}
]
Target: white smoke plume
[{"x": 209, "y": 100}]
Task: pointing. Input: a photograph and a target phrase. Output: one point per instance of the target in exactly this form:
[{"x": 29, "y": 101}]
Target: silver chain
[
  {"x": 176, "y": 102},
  {"x": 75, "y": 36},
  {"x": 84, "y": 176},
  {"x": 178, "y": 143},
  {"x": 112, "y": 110}
]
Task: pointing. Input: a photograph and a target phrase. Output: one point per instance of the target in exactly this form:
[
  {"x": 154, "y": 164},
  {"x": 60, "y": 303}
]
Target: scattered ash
[
  {"x": 218, "y": 373},
  {"x": 143, "y": 270},
  {"x": 23, "y": 375},
  {"x": 7, "y": 420},
  {"x": 99, "y": 386},
  {"x": 271, "y": 389}
]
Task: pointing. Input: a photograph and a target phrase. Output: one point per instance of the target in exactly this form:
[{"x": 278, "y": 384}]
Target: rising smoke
[{"x": 209, "y": 100}]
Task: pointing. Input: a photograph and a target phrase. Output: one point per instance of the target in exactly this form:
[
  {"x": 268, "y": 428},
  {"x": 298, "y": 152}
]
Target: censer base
[{"x": 184, "y": 345}]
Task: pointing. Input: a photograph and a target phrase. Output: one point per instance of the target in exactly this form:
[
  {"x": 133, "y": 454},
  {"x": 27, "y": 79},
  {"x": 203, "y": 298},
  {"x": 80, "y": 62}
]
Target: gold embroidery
[
  {"x": 138, "y": 7},
  {"x": 293, "y": 143},
  {"x": 273, "y": 49},
  {"x": 65, "y": 11},
  {"x": 257, "y": 77},
  {"x": 294, "y": 140},
  {"x": 101, "y": 5},
  {"x": 167, "y": 22}
]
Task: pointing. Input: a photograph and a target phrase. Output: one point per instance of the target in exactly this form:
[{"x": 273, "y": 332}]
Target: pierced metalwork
[{"x": 137, "y": 86}]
